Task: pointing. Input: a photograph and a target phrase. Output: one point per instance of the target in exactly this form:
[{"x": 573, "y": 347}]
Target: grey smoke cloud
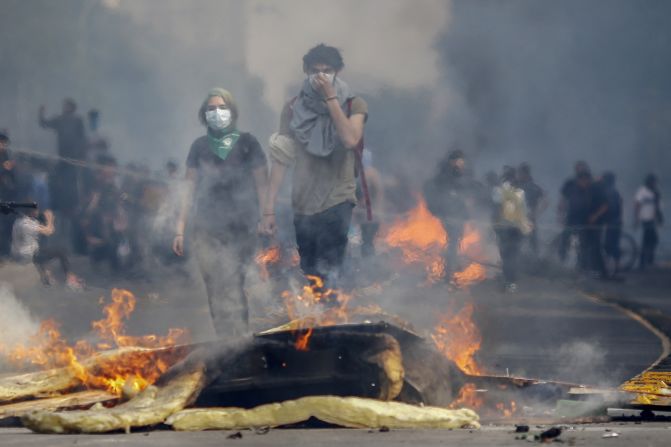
[
  {"x": 18, "y": 325},
  {"x": 384, "y": 42}
]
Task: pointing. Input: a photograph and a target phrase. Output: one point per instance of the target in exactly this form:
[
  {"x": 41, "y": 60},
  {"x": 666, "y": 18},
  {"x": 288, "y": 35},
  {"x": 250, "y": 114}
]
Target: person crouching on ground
[
  {"x": 226, "y": 180},
  {"x": 27, "y": 246},
  {"x": 320, "y": 134},
  {"x": 511, "y": 223}
]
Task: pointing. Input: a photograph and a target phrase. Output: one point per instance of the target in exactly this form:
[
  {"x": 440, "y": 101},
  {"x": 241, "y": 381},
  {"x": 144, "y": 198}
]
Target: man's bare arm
[
  {"x": 185, "y": 206},
  {"x": 277, "y": 173}
]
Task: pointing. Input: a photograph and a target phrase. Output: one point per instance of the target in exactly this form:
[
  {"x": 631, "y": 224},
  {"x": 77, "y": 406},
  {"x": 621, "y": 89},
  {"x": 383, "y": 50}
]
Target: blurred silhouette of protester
[
  {"x": 397, "y": 184},
  {"x": 162, "y": 221},
  {"x": 171, "y": 171},
  {"x": 97, "y": 145},
  {"x": 511, "y": 223},
  {"x": 450, "y": 195},
  {"x": 648, "y": 214},
  {"x": 102, "y": 217},
  {"x": 140, "y": 195},
  {"x": 367, "y": 228},
  {"x": 536, "y": 201},
  {"x": 8, "y": 191},
  {"x": 67, "y": 181},
  {"x": 590, "y": 206},
  {"x": 569, "y": 209},
  {"x": 226, "y": 178},
  {"x": 29, "y": 245},
  {"x": 320, "y": 134},
  {"x": 39, "y": 183},
  {"x": 612, "y": 220}
]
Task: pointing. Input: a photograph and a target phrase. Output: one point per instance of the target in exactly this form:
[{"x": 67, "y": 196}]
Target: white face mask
[
  {"x": 218, "y": 119},
  {"x": 313, "y": 78}
]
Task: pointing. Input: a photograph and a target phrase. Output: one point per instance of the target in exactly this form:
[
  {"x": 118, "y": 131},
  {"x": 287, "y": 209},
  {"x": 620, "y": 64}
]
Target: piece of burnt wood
[
  {"x": 341, "y": 360},
  {"x": 262, "y": 370},
  {"x": 58, "y": 380},
  {"x": 430, "y": 378}
]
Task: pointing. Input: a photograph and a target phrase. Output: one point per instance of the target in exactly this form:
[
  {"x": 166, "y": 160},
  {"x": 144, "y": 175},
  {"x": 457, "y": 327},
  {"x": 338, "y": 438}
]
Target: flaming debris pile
[
  {"x": 327, "y": 349},
  {"x": 49, "y": 349}
]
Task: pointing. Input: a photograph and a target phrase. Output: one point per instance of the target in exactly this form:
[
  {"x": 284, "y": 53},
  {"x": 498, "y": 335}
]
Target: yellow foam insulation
[
  {"x": 353, "y": 412},
  {"x": 151, "y": 406}
]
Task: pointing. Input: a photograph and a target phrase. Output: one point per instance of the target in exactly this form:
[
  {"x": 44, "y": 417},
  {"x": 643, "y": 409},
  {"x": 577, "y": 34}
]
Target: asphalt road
[{"x": 651, "y": 434}]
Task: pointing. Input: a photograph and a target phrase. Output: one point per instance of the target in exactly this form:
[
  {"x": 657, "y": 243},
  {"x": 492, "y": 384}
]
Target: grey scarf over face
[{"x": 311, "y": 123}]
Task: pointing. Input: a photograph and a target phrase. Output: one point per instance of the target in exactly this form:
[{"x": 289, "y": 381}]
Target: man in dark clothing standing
[
  {"x": 590, "y": 207},
  {"x": 536, "y": 201},
  {"x": 612, "y": 219},
  {"x": 71, "y": 138},
  {"x": 568, "y": 209},
  {"x": 69, "y": 129},
  {"x": 8, "y": 190},
  {"x": 448, "y": 194}
]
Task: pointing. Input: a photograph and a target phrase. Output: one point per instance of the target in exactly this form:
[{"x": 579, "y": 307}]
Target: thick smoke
[
  {"x": 16, "y": 321},
  {"x": 554, "y": 82},
  {"x": 385, "y": 43},
  {"x": 521, "y": 80}
]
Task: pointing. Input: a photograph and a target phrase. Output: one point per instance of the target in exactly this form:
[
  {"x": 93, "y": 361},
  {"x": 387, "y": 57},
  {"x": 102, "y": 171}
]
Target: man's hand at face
[{"x": 325, "y": 85}]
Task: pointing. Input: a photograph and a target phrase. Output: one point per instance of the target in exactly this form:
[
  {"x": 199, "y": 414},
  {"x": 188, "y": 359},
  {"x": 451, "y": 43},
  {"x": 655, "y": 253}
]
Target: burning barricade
[
  {"x": 344, "y": 373},
  {"x": 337, "y": 359}
]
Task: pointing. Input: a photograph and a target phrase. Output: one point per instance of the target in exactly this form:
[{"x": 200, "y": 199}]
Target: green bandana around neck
[{"x": 222, "y": 145}]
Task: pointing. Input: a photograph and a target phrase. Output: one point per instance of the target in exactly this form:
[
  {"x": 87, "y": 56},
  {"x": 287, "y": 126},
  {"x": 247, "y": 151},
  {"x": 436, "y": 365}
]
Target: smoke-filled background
[
  {"x": 507, "y": 81},
  {"x": 540, "y": 81}
]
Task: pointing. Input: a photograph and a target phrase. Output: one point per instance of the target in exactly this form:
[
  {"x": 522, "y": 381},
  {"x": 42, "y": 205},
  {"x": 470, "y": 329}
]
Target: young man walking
[{"x": 320, "y": 134}]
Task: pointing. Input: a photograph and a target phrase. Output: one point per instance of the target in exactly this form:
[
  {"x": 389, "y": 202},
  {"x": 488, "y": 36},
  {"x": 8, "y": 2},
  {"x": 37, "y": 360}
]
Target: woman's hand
[
  {"x": 267, "y": 225},
  {"x": 178, "y": 245}
]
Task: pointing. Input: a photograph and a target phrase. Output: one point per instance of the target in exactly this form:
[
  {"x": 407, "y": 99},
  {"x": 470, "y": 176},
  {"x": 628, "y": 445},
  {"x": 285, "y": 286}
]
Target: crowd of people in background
[
  {"x": 590, "y": 214},
  {"x": 122, "y": 217},
  {"x": 88, "y": 205}
]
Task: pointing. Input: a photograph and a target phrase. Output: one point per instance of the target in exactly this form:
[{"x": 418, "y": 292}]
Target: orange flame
[
  {"x": 315, "y": 306},
  {"x": 458, "y": 338},
  {"x": 468, "y": 397},
  {"x": 471, "y": 242},
  {"x": 472, "y": 274},
  {"x": 303, "y": 340},
  {"x": 507, "y": 411},
  {"x": 268, "y": 257},
  {"x": 49, "y": 349},
  {"x": 422, "y": 240}
]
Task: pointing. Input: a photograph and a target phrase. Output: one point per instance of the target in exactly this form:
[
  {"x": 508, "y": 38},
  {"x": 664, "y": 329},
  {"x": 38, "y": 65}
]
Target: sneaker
[{"x": 511, "y": 287}]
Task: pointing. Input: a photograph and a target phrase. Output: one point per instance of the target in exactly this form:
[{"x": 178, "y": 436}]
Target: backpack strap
[{"x": 358, "y": 155}]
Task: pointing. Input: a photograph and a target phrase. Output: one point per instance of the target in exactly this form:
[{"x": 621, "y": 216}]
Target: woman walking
[{"x": 226, "y": 178}]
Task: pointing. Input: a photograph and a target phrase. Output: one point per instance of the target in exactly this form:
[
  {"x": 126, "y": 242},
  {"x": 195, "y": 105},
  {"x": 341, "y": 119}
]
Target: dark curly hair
[{"x": 323, "y": 54}]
